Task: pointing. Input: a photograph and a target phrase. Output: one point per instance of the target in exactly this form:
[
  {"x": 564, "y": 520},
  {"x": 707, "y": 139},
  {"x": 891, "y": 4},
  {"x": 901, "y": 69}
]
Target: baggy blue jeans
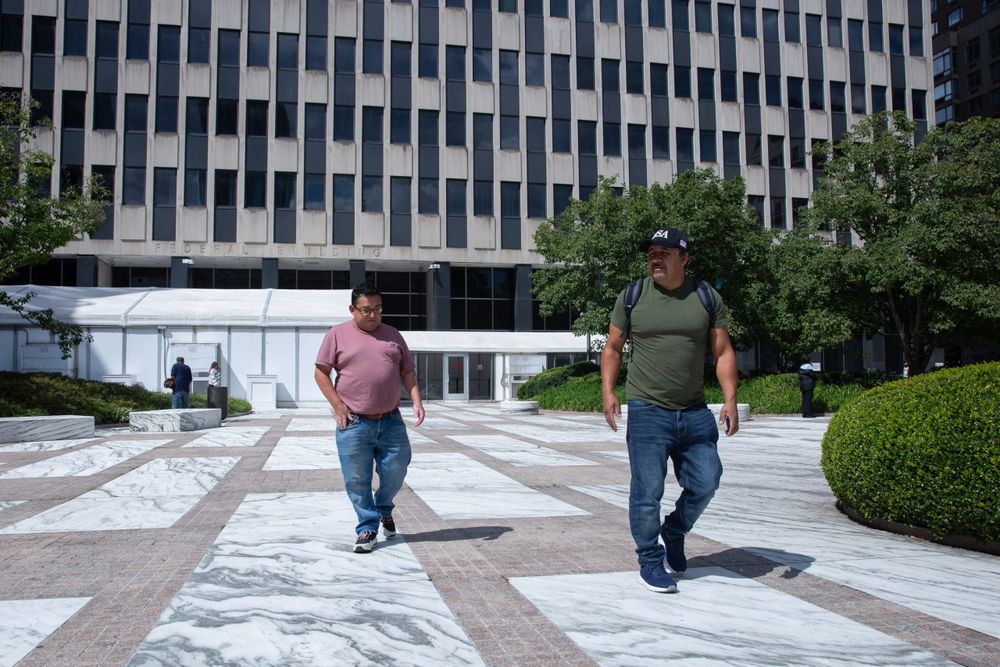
[
  {"x": 379, "y": 444},
  {"x": 690, "y": 439},
  {"x": 180, "y": 400}
]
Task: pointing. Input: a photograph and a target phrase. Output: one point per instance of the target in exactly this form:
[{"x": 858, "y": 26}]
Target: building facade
[
  {"x": 966, "y": 38},
  {"x": 313, "y": 143}
]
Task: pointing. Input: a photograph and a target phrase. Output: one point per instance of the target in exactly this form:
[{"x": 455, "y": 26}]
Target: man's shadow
[
  {"x": 750, "y": 562},
  {"x": 485, "y": 533}
]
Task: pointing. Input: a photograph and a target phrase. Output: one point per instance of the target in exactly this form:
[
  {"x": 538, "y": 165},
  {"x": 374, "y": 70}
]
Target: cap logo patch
[
  {"x": 682, "y": 243},
  {"x": 662, "y": 234}
]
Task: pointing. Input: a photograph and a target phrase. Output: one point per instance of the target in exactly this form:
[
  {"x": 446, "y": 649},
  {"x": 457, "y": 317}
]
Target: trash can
[{"x": 218, "y": 397}]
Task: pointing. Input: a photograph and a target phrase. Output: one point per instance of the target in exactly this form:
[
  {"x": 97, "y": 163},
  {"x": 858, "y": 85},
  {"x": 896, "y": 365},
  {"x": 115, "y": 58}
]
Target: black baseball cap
[{"x": 667, "y": 237}]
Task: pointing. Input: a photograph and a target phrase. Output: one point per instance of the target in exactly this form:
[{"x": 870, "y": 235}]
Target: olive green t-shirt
[{"x": 669, "y": 340}]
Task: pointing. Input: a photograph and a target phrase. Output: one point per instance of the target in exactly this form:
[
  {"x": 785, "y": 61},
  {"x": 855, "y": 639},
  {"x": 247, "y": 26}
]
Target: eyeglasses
[{"x": 366, "y": 310}]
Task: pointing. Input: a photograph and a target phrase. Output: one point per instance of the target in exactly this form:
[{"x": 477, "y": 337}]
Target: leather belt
[{"x": 377, "y": 415}]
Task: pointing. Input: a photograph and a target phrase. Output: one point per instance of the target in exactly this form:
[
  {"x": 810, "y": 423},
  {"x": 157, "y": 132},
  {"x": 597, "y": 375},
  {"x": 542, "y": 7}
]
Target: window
[
  {"x": 954, "y": 17},
  {"x": 943, "y": 63},
  {"x": 609, "y": 11},
  {"x": 751, "y": 88},
  {"x": 916, "y": 41},
  {"x": 834, "y": 31},
  {"x": 856, "y": 34},
  {"x": 775, "y": 151},
  {"x": 972, "y": 52},
  {"x": 371, "y": 194},
  {"x": 837, "y": 102},
  {"x": 814, "y": 30},
  {"x": 482, "y": 65},
  {"x": 682, "y": 81},
  {"x": 816, "y": 94},
  {"x": 657, "y": 14},
  {"x": 794, "y": 92},
  {"x": 770, "y": 20},
  {"x": 74, "y": 31},
  {"x": 196, "y": 116},
  {"x": 11, "y": 32},
  {"x": 748, "y": 22},
  {"x": 753, "y": 148},
  {"x": 706, "y": 145},
  {"x": 561, "y": 136},
  {"x": 316, "y": 52},
  {"x": 134, "y": 186},
  {"x": 858, "y": 103},
  {"x": 612, "y": 138},
  {"x": 772, "y": 90},
  {"x": 427, "y": 61},
  {"x": 257, "y": 118},
  {"x": 74, "y": 109},
  {"x": 105, "y": 111},
  {"x": 510, "y": 132},
  {"x": 727, "y": 21},
  {"x": 727, "y": 81},
  {"x": 166, "y": 114},
  {"x": 225, "y": 188},
  {"x": 944, "y": 91},
  {"x": 194, "y": 187},
  {"x": 944, "y": 114},
  {"x": 137, "y": 42},
  {"x": 702, "y": 16},
  {"x": 371, "y": 56},
  {"x": 685, "y": 144},
  {"x": 559, "y": 8},
  {"x": 284, "y": 189},
  {"x": 227, "y": 116},
  {"x": 534, "y": 69},
  {"x": 994, "y": 38},
  {"x": 875, "y": 40},
  {"x": 792, "y": 31},
  {"x": 585, "y": 73},
  {"x": 895, "y": 39}
]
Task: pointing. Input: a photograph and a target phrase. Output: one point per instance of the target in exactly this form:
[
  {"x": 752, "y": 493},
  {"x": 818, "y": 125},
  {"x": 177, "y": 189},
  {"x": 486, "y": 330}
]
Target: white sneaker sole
[
  {"x": 364, "y": 548},
  {"x": 658, "y": 589},
  {"x": 388, "y": 533}
]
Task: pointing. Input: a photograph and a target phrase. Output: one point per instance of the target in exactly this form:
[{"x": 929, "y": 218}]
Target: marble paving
[
  {"x": 83, "y": 462},
  {"x": 304, "y": 453},
  {"x": 238, "y": 436},
  {"x": 280, "y": 586},
  {"x": 456, "y": 487},
  {"x": 44, "y": 445},
  {"x": 515, "y": 551},
  {"x": 719, "y": 618},
  {"x": 154, "y": 495},
  {"x": 519, "y": 453},
  {"x": 26, "y": 623}
]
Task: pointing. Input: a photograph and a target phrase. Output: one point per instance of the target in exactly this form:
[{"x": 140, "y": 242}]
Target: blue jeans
[
  {"x": 180, "y": 400},
  {"x": 379, "y": 443},
  {"x": 687, "y": 437}
]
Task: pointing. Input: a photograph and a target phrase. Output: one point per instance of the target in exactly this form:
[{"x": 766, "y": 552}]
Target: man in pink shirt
[{"x": 371, "y": 359}]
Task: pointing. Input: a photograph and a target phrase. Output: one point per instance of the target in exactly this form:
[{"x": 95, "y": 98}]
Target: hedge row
[
  {"x": 923, "y": 452},
  {"x": 39, "y": 394}
]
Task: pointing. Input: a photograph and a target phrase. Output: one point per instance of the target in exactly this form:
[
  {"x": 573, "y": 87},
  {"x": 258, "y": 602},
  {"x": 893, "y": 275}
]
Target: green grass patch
[{"x": 39, "y": 394}]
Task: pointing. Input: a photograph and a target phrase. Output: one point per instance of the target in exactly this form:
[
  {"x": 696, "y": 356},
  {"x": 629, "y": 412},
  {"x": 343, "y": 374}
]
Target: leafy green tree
[
  {"x": 593, "y": 246},
  {"x": 928, "y": 219},
  {"x": 33, "y": 225}
]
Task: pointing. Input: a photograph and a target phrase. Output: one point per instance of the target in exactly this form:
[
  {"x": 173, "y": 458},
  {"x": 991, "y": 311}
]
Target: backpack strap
[
  {"x": 707, "y": 298},
  {"x": 631, "y": 297}
]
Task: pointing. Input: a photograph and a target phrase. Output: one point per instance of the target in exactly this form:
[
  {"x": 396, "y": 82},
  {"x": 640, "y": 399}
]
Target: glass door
[{"x": 456, "y": 377}]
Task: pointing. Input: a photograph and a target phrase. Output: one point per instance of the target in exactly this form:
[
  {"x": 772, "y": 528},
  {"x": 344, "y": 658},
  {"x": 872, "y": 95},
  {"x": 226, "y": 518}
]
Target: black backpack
[{"x": 634, "y": 289}]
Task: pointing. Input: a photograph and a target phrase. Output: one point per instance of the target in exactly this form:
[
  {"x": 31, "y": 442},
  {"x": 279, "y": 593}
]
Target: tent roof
[{"x": 155, "y": 306}]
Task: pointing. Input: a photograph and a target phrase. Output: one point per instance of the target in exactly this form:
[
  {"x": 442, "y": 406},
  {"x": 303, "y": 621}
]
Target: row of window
[{"x": 316, "y": 46}]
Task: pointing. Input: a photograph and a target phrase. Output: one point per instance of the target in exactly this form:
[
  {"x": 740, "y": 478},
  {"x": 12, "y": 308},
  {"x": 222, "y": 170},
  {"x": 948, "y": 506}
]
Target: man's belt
[{"x": 377, "y": 415}]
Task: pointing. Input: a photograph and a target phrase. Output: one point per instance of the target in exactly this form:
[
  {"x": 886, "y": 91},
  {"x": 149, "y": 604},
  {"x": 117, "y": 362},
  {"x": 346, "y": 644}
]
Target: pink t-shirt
[{"x": 369, "y": 365}]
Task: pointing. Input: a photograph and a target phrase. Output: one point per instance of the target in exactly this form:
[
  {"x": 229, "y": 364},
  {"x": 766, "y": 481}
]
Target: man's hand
[
  {"x": 611, "y": 410},
  {"x": 341, "y": 414},
  {"x": 729, "y": 419},
  {"x": 418, "y": 412}
]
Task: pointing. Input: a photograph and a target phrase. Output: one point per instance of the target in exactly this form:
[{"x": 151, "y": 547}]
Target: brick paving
[{"x": 132, "y": 575}]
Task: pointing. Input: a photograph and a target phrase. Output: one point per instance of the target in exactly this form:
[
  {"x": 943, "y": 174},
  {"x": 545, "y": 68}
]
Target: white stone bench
[
  {"x": 519, "y": 407},
  {"x": 742, "y": 410},
  {"x": 191, "y": 419},
  {"x": 50, "y": 427}
]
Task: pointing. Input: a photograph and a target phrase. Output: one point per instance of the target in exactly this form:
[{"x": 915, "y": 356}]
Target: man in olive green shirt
[{"x": 671, "y": 329}]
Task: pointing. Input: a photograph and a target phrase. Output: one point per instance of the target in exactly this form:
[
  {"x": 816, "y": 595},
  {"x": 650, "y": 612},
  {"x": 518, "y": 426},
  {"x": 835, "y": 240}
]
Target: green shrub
[
  {"x": 554, "y": 377},
  {"x": 39, "y": 394},
  {"x": 923, "y": 452}
]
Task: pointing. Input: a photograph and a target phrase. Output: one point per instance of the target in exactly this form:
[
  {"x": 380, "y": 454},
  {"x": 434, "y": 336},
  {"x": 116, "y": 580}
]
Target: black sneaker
[
  {"x": 366, "y": 542},
  {"x": 656, "y": 579},
  {"x": 676, "y": 560},
  {"x": 388, "y": 527}
]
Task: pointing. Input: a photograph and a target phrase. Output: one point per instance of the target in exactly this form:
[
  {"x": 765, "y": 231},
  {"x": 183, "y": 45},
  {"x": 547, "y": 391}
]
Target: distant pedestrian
[
  {"x": 371, "y": 359},
  {"x": 807, "y": 382},
  {"x": 180, "y": 373},
  {"x": 214, "y": 375}
]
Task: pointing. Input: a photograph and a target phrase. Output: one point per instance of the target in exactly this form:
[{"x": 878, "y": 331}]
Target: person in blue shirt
[{"x": 180, "y": 373}]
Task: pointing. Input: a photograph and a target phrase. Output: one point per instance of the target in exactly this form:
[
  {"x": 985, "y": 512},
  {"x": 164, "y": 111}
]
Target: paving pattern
[{"x": 233, "y": 546}]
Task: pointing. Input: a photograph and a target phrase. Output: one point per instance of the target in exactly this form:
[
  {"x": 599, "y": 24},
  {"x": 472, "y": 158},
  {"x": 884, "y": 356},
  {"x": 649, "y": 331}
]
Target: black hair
[{"x": 364, "y": 289}]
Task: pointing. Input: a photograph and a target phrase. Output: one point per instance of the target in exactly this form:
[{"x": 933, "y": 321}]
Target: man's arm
[
  {"x": 325, "y": 383},
  {"x": 725, "y": 371},
  {"x": 611, "y": 364},
  {"x": 413, "y": 389}
]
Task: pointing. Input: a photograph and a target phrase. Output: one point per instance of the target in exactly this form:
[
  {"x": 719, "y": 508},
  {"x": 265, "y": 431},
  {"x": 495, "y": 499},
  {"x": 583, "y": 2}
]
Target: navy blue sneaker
[
  {"x": 656, "y": 579},
  {"x": 676, "y": 560}
]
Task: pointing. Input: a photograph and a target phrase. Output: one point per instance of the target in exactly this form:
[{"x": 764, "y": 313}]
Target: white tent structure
[{"x": 266, "y": 340}]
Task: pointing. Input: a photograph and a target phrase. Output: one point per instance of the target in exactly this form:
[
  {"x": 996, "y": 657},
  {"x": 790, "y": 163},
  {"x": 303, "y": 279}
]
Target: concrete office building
[
  {"x": 302, "y": 144},
  {"x": 966, "y": 58}
]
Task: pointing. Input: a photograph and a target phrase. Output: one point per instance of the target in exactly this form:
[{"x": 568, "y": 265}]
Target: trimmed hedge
[
  {"x": 923, "y": 452},
  {"x": 39, "y": 394},
  {"x": 554, "y": 377}
]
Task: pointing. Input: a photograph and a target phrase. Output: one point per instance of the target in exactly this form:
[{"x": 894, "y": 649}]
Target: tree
[
  {"x": 32, "y": 225},
  {"x": 593, "y": 246},
  {"x": 928, "y": 218}
]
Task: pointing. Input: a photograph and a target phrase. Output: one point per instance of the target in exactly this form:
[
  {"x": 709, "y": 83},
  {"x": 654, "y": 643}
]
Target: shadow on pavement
[{"x": 487, "y": 533}]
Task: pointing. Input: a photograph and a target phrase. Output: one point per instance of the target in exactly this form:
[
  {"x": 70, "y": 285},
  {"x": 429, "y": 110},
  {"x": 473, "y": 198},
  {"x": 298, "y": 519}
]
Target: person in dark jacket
[
  {"x": 180, "y": 373},
  {"x": 807, "y": 382}
]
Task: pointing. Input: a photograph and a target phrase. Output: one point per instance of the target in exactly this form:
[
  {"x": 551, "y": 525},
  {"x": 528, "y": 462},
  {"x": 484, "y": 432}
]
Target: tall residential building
[
  {"x": 966, "y": 37},
  {"x": 313, "y": 143}
]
